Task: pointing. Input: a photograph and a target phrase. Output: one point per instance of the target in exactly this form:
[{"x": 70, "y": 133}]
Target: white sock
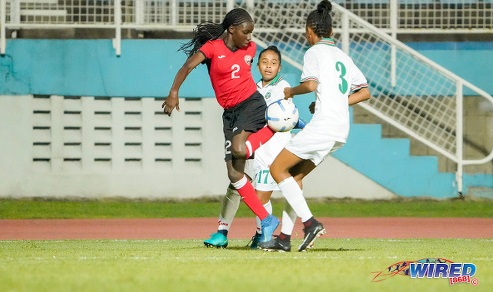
[
  {"x": 239, "y": 184},
  {"x": 268, "y": 207},
  {"x": 294, "y": 195},
  {"x": 229, "y": 207},
  {"x": 289, "y": 217}
]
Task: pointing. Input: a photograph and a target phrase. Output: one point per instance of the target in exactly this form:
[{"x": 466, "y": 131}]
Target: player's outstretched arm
[
  {"x": 304, "y": 87},
  {"x": 171, "y": 102}
]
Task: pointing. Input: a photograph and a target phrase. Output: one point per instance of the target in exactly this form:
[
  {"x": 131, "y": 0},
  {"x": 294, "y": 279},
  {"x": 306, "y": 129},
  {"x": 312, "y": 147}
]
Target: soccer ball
[{"x": 282, "y": 115}]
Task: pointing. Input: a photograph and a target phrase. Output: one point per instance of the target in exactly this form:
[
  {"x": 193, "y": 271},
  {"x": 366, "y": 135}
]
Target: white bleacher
[
  {"x": 39, "y": 1},
  {"x": 42, "y": 12},
  {"x": 30, "y": 11}
]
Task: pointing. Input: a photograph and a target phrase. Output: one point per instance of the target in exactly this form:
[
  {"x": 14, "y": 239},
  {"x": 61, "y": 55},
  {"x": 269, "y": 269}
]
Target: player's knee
[
  {"x": 275, "y": 172},
  {"x": 238, "y": 151}
]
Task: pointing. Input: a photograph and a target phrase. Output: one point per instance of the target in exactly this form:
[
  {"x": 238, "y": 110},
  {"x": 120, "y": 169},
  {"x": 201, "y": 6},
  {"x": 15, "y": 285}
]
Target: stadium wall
[
  {"x": 107, "y": 136},
  {"x": 90, "y": 67},
  {"x": 56, "y": 146}
]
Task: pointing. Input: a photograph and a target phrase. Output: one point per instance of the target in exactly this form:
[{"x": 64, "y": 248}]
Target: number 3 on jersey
[{"x": 343, "y": 86}]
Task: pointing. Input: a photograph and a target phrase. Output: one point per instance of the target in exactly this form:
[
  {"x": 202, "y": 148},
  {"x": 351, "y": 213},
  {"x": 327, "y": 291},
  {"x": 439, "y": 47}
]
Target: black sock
[
  {"x": 284, "y": 237},
  {"x": 223, "y": 232},
  {"x": 309, "y": 222}
]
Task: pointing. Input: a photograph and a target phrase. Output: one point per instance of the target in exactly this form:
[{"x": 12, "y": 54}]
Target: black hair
[
  {"x": 207, "y": 31},
  {"x": 271, "y": 48},
  {"x": 320, "y": 19}
]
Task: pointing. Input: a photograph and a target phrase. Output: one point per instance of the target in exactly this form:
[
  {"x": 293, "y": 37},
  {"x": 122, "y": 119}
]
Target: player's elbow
[
  {"x": 311, "y": 85},
  {"x": 365, "y": 94},
  {"x": 187, "y": 68}
]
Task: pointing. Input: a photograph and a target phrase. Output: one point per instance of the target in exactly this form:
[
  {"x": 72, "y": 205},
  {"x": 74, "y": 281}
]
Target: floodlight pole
[
  {"x": 117, "y": 41},
  {"x": 3, "y": 43},
  {"x": 459, "y": 139}
]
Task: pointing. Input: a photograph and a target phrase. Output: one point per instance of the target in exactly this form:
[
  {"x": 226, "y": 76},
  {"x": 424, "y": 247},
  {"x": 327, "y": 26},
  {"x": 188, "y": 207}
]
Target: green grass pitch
[{"x": 186, "y": 265}]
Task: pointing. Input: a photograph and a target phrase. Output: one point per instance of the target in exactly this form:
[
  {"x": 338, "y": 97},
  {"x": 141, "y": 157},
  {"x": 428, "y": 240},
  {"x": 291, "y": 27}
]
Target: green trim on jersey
[
  {"x": 308, "y": 78},
  {"x": 327, "y": 41},
  {"x": 274, "y": 81}
]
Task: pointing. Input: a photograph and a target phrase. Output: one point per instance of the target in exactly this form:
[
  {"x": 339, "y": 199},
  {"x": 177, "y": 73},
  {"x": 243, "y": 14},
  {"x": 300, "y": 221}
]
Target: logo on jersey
[
  {"x": 221, "y": 56},
  {"x": 248, "y": 59},
  {"x": 267, "y": 95}
]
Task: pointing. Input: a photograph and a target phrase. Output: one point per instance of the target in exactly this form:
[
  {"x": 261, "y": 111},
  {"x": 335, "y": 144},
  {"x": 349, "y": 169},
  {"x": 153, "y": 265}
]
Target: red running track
[{"x": 242, "y": 228}]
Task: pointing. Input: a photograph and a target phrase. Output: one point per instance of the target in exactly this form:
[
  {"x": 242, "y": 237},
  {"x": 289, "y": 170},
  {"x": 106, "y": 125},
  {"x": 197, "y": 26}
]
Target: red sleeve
[{"x": 207, "y": 49}]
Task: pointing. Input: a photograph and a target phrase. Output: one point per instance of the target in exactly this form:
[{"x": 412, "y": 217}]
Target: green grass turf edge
[{"x": 41, "y": 208}]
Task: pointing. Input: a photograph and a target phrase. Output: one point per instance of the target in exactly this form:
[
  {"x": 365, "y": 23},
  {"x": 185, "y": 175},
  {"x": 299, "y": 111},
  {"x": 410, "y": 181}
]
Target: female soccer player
[
  {"x": 228, "y": 51},
  {"x": 337, "y": 83},
  {"x": 271, "y": 86}
]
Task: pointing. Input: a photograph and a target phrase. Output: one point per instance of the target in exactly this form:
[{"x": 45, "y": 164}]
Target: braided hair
[
  {"x": 320, "y": 20},
  {"x": 207, "y": 31}
]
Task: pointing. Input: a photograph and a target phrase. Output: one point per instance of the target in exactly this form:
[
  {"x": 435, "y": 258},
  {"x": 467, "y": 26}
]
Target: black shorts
[{"x": 248, "y": 116}]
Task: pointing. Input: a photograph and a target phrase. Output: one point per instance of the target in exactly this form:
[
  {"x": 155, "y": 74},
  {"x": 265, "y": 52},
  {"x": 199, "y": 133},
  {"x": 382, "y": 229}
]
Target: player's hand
[
  {"x": 311, "y": 107},
  {"x": 288, "y": 93},
  {"x": 170, "y": 103}
]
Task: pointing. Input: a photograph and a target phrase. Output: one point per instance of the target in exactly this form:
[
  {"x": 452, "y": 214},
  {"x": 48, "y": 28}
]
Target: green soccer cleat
[
  {"x": 218, "y": 240},
  {"x": 255, "y": 241}
]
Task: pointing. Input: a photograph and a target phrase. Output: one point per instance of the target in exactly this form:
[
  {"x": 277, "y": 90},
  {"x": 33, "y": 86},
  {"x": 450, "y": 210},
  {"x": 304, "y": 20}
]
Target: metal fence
[
  {"x": 410, "y": 92},
  {"x": 405, "y": 16},
  {"x": 391, "y": 16}
]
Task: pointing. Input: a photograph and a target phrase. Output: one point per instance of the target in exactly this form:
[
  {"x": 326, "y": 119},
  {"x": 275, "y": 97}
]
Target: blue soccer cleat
[
  {"x": 300, "y": 125},
  {"x": 218, "y": 240},
  {"x": 269, "y": 225}
]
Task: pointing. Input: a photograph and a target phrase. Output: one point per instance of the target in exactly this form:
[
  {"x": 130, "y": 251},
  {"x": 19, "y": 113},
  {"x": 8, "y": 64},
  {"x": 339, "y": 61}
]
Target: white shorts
[
  {"x": 310, "y": 146},
  {"x": 258, "y": 169},
  {"x": 260, "y": 175}
]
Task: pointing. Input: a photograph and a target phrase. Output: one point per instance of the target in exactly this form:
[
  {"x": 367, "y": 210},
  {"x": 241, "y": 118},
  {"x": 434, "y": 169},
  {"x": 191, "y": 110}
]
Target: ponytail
[
  {"x": 208, "y": 31},
  {"x": 203, "y": 33}
]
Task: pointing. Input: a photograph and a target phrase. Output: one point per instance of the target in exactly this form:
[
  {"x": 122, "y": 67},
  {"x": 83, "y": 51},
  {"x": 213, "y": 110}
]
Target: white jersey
[
  {"x": 265, "y": 154},
  {"x": 336, "y": 75},
  {"x": 273, "y": 91}
]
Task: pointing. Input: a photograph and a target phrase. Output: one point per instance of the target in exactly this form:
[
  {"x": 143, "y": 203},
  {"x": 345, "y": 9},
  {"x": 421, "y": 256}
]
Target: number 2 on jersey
[
  {"x": 343, "y": 86},
  {"x": 236, "y": 69}
]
